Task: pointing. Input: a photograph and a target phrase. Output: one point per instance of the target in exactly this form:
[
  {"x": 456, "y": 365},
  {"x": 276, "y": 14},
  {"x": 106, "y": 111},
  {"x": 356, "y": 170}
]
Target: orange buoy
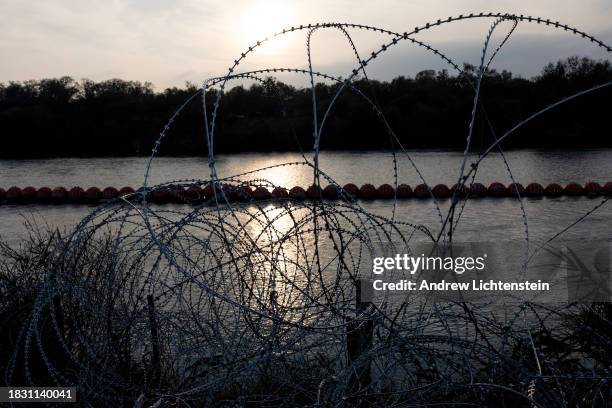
[
  {"x": 460, "y": 190},
  {"x": 232, "y": 192},
  {"x": 592, "y": 188},
  {"x": 553, "y": 190},
  {"x": 422, "y": 191},
  {"x": 515, "y": 189},
  {"x": 177, "y": 194},
  {"x": 478, "y": 190},
  {"x": 59, "y": 195},
  {"x": 367, "y": 192},
  {"x": 261, "y": 193},
  {"x": 496, "y": 189},
  {"x": 573, "y": 189},
  {"x": 13, "y": 194},
  {"x": 209, "y": 192},
  {"x": 227, "y": 193},
  {"x": 314, "y": 192},
  {"x": 297, "y": 193},
  {"x": 160, "y": 196},
  {"x": 93, "y": 194},
  {"x": 43, "y": 195},
  {"x": 331, "y": 192},
  {"x": 142, "y": 191},
  {"x": 194, "y": 193},
  {"x": 351, "y": 189},
  {"x": 244, "y": 193},
  {"x": 441, "y": 191},
  {"x": 76, "y": 195},
  {"x": 404, "y": 191},
  {"x": 28, "y": 194},
  {"x": 534, "y": 190},
  {"x": 109, "y": 193},
  {"x": 123, "y": 191},
  {"x": 385, "y": 191},
  {"x": 280, "y": 192}
]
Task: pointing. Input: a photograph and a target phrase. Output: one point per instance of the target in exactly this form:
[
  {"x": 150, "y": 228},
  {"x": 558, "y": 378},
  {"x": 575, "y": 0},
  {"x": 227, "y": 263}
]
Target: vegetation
[
  {"x": 66, "y": 117},
  {"x": 59, "y": 342}
]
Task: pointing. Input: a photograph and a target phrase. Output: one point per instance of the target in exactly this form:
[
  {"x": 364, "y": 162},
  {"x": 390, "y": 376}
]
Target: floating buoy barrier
[
  {"x": 477, "y": 190},
  {"x": 261, "y": 193},
  {"x": 280, "y": 192},
  {"x": 592, "y": 188},
  {"x": 496, "y": 190},
  {"x": 59, "y": 195},
  {"x": 534, "y": 190},
  {"x": 314, "y": 192},
  {"x": 160, "y": 196},
  {"x": 208, "y": 190},
  {"x": 441, "y": 191},
  {"x": 553, "y": 190},
  {"x": 515, "y": 189},
  {"x": 244, "y": 193},
  {"x": 193, "y": 193},
  {"x": 43, "y": 195},
  {"x": 177, "y": 194},
  {"x": 93, "y": 194},
  {"x": 351, "y": 189},
  {"x": 13, "y": 195},
  {"x": 331, "y": 192},
  {"x": 297, "y": 193},
  {"x": 367, "y": 192},
  {"x": 28, "y": 194},
  {"x": 404, "y": 191},
  {"x": 573, "y": 189},
  {"x": 385, "y": 191},
  {"x": 180, "y": 194},
  {"x": 125, "y": 191},
  {"x": 76, "y": 195},
  {"x": 460, "y": 190},
  {"x": 422, "y": 191}
]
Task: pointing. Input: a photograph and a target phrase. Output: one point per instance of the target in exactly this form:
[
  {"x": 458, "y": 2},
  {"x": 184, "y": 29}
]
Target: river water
[{"x": 483, "y": 219}]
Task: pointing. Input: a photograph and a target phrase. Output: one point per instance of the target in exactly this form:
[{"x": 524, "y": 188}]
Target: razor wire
[{"x": 241, "y": 301}]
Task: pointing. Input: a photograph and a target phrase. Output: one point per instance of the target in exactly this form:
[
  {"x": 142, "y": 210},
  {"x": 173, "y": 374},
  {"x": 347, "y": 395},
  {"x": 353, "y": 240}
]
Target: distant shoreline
[
  {"x": 64, "y": 117},
  {"x": 310, "y": 152}
]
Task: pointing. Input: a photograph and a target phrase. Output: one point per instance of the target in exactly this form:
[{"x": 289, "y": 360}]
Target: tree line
[{"x": 64, "y": 117}]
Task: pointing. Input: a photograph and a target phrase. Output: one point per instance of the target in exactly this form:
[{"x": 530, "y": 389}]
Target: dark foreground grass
[{"x": 46, "y": 338}]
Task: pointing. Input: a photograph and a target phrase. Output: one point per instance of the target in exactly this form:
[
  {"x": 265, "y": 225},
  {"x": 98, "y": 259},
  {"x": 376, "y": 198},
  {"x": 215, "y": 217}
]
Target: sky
[{"x": 170, "y": 42}]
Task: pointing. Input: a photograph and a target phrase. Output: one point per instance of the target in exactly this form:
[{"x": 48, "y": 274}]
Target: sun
[{"x": 261, "y": 20}]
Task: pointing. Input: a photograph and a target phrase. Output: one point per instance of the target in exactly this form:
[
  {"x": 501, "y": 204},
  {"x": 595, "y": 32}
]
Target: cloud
[{"x": 168, "y": 42}]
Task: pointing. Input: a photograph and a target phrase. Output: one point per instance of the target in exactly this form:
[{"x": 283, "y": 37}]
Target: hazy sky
[{"x": 170, "y": 42}]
